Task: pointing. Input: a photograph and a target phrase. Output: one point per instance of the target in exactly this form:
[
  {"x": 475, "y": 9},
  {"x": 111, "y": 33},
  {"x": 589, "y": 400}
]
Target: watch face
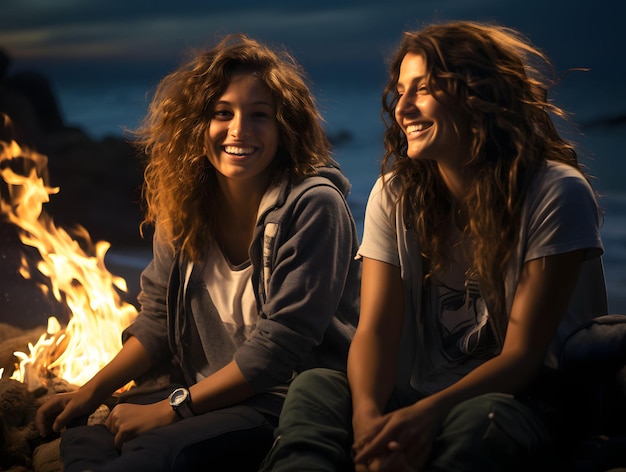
[{"x": 178, "y": 397}]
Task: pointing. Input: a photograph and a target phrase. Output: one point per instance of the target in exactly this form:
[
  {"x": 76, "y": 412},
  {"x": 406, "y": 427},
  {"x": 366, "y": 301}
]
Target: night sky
[{"x": 335, "y": 40}]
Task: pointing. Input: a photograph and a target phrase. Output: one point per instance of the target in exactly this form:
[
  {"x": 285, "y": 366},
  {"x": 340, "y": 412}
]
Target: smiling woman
[
  {"x": 481, "y": 255},
  {"x": 247, "y": 204}
]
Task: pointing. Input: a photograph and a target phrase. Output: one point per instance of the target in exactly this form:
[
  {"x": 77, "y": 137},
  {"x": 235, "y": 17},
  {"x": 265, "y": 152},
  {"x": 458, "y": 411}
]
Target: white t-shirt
[
  {"x": 230, "y": 290},
  {"x": 446, "y": 332}
]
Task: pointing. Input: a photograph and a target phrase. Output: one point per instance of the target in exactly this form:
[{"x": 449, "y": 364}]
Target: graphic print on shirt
[{"x": 463, "y": 322}]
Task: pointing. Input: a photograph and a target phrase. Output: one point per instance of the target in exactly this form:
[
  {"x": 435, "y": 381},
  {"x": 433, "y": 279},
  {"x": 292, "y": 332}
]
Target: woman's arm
[
  {"x": 542, "y": 296},
  {"x": 373, "y": 353},
  {"x": 225, "y": 387},
  {"x": 313, "y": 278}
]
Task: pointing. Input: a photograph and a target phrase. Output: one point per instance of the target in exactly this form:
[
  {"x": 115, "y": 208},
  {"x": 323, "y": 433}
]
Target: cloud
[
  {"x": 144, "y": 29},
  {"x": 327, "y": 32}
]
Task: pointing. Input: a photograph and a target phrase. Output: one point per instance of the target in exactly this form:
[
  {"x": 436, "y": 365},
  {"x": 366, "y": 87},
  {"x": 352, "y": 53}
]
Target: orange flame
[{"x": 77, "y": 279}]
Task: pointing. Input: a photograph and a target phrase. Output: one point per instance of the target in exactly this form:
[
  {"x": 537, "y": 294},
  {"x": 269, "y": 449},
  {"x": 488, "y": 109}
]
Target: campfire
[
  {"x": 78, "y": 278},
  {"x": 75, "y": 276}
]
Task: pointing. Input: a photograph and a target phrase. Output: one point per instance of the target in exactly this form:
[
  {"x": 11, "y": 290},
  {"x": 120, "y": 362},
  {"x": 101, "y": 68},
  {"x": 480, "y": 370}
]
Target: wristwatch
[{"x": 180, "y": 401}]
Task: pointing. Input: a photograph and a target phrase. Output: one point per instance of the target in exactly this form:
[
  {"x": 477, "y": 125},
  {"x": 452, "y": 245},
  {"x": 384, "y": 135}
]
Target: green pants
[{"x": 493, "y": 432}]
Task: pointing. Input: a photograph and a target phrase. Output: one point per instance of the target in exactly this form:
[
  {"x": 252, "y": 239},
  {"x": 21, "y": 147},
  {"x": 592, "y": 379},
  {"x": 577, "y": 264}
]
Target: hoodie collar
[{"x": 276, "y": 195}]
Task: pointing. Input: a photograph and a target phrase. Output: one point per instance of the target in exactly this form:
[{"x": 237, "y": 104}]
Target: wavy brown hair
[
  {"x": 179, "y": 182},
  {"x": 496, "y": 77}
]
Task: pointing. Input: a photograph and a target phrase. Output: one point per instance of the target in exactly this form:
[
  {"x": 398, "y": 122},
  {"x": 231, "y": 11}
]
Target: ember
[{"x": 75, "y": 275}]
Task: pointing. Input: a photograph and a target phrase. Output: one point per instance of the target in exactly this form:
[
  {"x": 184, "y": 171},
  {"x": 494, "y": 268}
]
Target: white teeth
[
  {"x": 415, "y": 128},
  {"x": 240, "y": 151}
]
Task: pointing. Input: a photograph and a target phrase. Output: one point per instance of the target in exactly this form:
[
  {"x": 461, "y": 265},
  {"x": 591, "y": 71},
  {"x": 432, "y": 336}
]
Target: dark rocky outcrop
[
  {"x": 99, "y": 189},
  {"x": 99, "y": 181}
]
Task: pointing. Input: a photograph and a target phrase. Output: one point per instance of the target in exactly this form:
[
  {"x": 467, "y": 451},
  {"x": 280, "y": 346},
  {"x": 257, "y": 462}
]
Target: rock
[
  {"x": 18, "y": 435},
  {"x": 99, "y": 180},
  {"x": 47, "y": 457},
  {"x": 21, "y": 447}
]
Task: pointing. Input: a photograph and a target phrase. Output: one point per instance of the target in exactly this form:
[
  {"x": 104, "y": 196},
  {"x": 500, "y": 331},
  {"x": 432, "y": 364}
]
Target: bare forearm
[
  {"x": 225, "y": 387},
  {"x": 371, "y": 372},
  {"x": 374, "y": 350},
  {"x": 506, "y": 373},
  {"x": 131, "y": 362}
]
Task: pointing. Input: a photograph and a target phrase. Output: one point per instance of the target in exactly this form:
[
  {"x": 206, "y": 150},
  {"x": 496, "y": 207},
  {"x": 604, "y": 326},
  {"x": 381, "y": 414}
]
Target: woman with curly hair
[
  {"x": 481, "y": 253},
  {"x": 253, "y": 278}
]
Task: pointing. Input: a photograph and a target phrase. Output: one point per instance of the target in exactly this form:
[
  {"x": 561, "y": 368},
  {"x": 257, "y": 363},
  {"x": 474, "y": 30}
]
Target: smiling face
[
  {"x": 434, "y": 128},
  {"x": 242, "y": 138}
]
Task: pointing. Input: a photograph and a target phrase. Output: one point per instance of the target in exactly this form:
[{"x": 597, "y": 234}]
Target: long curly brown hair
[
  {"x": 496, "y": 76},
  {"x": 179, "y": 183}
]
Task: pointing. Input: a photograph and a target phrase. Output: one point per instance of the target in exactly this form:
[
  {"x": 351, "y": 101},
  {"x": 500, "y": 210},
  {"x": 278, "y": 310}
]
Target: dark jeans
[
  {"x": 234, "y": 438},
  {"x": 493, "y": 432}
]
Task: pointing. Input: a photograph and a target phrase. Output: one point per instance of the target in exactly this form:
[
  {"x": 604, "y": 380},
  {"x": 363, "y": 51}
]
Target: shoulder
[
  {"x": 559, "y": 184},
  {"x": 312, "y": 201},
  {"x": 385, "y": 193},
  {"x": 315, "y": 189},
  {"x": 389, "y": 183},
  {"x": 561, "y": 211},
  {"x": 557, "y": 176}
]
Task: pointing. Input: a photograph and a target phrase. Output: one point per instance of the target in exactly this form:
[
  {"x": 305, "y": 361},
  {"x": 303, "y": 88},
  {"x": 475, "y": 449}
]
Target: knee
[
  {"x": 492, "y": 430},
  {"x": 319, "y": 383},
  {"x": 317, "y": 394},
  {"x": 480, "y": 415},
  {"x": 319, "y": 377},
  {"x": 478, "y": 412}
]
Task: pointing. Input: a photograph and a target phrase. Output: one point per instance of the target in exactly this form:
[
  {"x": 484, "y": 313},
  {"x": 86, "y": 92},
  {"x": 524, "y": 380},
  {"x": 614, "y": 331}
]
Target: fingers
[
  {"x": 121, "y": 437},
  {"x": 112, "y": 425},
  {"x": 373, "y": 447},
  {"x": 110, "y": 422},
  {"x": 395, "y": 461},
  {"x": 46, "y": 413},
  {"x": 120, "y": 428},
  {"x": 407, "y": 453},
  {"x": 41, "y": 420},
  {"x": 60, "y": 421}
]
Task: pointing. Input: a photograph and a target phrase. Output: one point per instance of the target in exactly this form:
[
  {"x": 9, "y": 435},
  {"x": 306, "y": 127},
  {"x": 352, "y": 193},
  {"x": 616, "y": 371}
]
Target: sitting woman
[
  {"x": 253, "y": 278},
  {"x": 481, "y": 253}
]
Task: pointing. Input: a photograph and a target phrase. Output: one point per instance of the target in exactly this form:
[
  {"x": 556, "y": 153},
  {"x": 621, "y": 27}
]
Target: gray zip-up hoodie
[{"x": 305, "y": 279}]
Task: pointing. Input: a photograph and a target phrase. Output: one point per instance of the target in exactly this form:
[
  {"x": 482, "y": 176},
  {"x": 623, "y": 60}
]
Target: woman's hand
[
  {"x": 132, "y": 361},
  {"x": 400, "y": 440},
  {"x": 58, "y": 410},
  {"x": 366, "y": 426},
  {"x": 127, "y": 421}
]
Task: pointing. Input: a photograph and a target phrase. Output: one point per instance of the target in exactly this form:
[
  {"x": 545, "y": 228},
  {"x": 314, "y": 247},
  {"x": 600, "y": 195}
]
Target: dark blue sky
[{"x": 335, "y": 40}]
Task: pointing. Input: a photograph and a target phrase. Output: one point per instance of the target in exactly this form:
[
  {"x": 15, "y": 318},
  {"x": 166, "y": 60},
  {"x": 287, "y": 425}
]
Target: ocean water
[{"x": 107, "y": 109}]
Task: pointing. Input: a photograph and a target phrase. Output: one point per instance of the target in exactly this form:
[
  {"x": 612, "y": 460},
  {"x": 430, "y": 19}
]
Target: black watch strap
[{"x": 184, "y": 410}]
